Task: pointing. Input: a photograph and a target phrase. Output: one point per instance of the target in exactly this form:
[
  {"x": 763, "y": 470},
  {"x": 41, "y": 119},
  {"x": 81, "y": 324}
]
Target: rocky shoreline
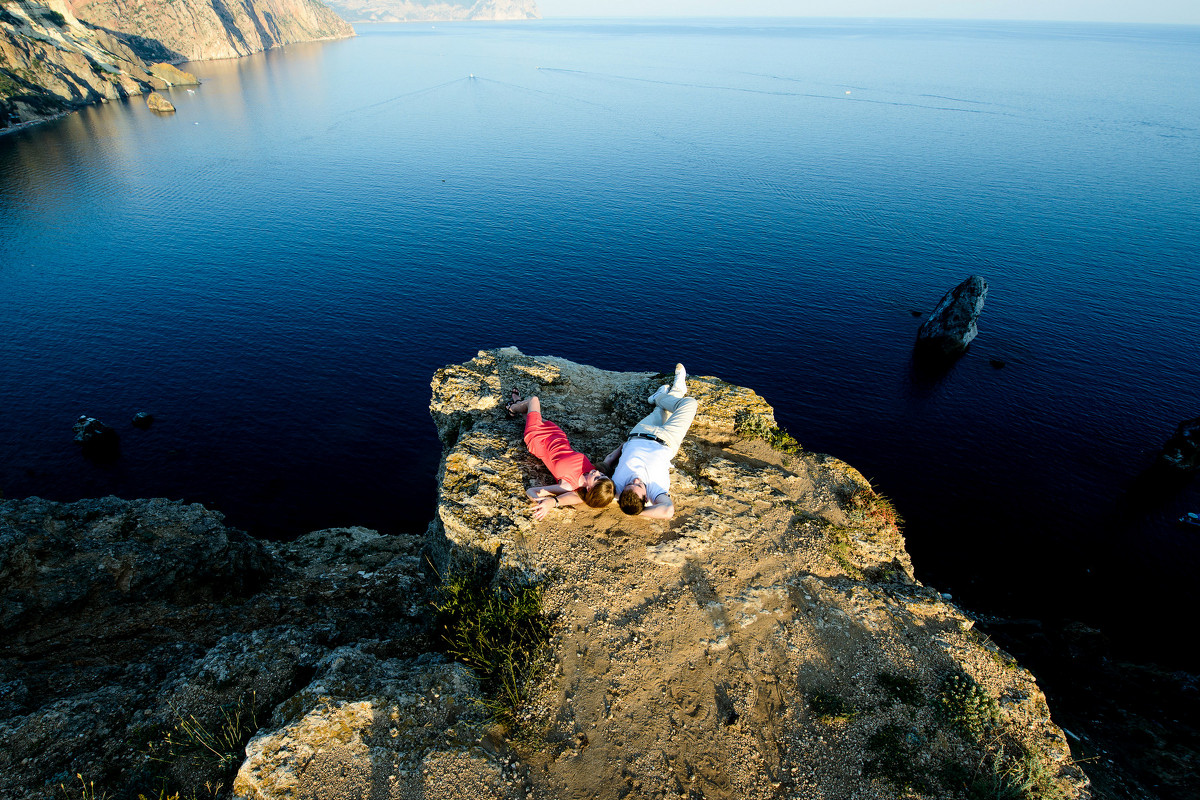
[
  {"x": 769, "y": 641},
  {"x": 58, "y": 56}
]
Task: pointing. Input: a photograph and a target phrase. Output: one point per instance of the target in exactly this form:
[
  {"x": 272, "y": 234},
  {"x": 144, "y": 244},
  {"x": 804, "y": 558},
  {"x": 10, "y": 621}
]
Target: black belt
[{"x": 647, "y": 436}]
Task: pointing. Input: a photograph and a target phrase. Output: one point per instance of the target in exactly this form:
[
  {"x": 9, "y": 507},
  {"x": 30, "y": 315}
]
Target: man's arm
[
  {"x": 610, "y": 460},
  {"x": 661, "y": 508}
]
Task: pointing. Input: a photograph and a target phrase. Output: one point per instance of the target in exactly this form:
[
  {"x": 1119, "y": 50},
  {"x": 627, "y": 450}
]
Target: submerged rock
[
  {"x": 95, "y": 438},
  {"x": 142, "y": 420},
  {"x": 949, "y": 329},
  {"x": 1182, "y": 450}
]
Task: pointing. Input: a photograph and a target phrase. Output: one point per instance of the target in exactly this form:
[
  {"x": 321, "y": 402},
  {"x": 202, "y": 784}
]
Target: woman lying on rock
[{"x": 578, "y": 480}]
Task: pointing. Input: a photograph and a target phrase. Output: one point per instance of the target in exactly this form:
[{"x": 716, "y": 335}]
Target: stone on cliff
[
  {"x": 1182, "y": 450},
  {"x": 173, "y": 75},
  {"x": 156, "y": 102},
  {"x": 948, "y": 331},
  {"x": 96, "y": 438}
]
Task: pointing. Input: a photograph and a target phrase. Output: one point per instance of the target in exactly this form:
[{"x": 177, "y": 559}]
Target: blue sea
[{"x": 276, "y": 271}]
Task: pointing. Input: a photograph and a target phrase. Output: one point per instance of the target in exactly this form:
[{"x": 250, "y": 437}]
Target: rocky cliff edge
[
  {"x": 57, "y": 56},
  {"x": 770, "y": 641},
  {"x": 51, "y": 63}
]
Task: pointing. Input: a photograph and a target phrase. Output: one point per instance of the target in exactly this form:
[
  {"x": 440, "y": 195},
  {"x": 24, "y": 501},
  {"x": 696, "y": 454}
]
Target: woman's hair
[
  {"x": 601, "y": 493},
  {"x": 631, "y": 502}
]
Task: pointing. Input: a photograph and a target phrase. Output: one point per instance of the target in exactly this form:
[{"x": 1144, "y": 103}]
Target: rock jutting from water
[
  {"x": 156, "y": 102},
  {"x": 769, "y": 641},
  {"x": 95, "y": 438},
  {"x": 950, "y": 328},
  {"x": 1182, "y": 450}
]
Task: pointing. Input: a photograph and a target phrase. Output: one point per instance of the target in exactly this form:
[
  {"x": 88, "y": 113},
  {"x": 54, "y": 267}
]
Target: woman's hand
[{"x": 541, "y": 506}]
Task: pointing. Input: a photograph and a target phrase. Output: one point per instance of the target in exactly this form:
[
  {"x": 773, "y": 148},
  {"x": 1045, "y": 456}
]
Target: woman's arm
[
  {"x": 538, "y": 492},
  {"x": 542, "y": 505}
]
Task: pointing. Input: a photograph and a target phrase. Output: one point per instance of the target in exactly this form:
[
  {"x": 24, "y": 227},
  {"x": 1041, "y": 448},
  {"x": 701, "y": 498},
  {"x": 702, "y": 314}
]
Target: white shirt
[{"x": 650, "y": 461}]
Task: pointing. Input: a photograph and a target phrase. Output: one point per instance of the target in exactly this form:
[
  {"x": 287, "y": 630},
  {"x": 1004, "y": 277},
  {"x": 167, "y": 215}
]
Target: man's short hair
[
  {"x": 631, "y": 502},
  {"x": 601, "y": 493}
]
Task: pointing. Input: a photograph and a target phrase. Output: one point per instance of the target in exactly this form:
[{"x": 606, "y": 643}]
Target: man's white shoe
[
  {"x": 659, "y": 392},
  {"x": 679, "y": 388}
]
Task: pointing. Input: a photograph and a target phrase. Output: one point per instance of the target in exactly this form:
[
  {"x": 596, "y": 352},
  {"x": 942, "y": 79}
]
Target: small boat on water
[{"x": 1190, "y": 519}]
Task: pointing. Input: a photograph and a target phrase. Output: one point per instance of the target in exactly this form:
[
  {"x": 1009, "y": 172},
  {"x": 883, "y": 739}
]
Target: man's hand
[{"x": 661, "y": 508}]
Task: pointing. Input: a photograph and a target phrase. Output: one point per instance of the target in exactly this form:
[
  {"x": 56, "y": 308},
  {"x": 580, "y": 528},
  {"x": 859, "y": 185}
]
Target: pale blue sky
[{"x": 1168, "y": 11}]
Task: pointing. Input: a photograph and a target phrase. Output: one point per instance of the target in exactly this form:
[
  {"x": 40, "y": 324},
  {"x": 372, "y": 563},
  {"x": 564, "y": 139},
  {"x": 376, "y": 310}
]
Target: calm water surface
[{"x": 277, "y": 270}]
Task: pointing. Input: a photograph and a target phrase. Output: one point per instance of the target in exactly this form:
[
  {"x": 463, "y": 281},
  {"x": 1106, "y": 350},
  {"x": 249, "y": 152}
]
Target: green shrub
[
  {"x": 754, "y": 426},
  {"x": 967, "y": 705},
  {"x": 499, "y": 632},
  {"x": 864, "y": 504},
  {"x": 1005, "y": 773}
]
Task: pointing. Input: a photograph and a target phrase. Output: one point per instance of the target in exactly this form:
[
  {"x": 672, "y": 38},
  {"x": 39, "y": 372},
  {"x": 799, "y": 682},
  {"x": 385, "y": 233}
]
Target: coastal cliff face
[
  {"x": 56, "y": 56},
  {"x": 434, "y": 10},
  {"x": 769, "y": 641},
  {"x": 51, "y": 63},
  {"x": 194, "y": 30}
]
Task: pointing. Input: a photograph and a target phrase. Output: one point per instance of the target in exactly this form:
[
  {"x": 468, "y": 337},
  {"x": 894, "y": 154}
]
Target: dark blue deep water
[{"x": 276, "y": 271}]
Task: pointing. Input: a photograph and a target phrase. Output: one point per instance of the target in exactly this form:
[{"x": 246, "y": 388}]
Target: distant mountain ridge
[{"x": 434, "y": 10}]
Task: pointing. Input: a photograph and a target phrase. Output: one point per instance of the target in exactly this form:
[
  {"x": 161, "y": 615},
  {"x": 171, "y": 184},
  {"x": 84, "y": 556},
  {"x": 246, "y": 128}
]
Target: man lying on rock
[
  {"x": 578, "y": 480},
  {"x": 643, "y": 475}
]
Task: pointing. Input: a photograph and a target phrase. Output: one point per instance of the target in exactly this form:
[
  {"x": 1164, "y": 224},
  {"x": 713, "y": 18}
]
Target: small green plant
[
  {"x": 754, "y": 426},
  {"x": 967, "y": 705},
  {"x": 86, "y": 790},
  {"x": 866, "y": 505},
  {"x": 1005, "y": 773},
  {"x": 830, "y": 708},
  {"x": 499, "y": 632},
  {"x": 840, "y": 549},
  {"x": 222, "y": 744},
  {"x": 899, "y": 688}
]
